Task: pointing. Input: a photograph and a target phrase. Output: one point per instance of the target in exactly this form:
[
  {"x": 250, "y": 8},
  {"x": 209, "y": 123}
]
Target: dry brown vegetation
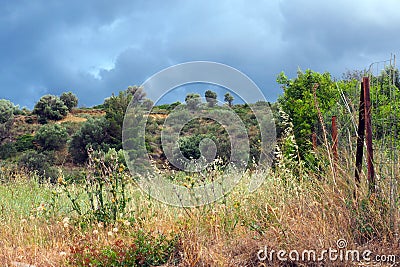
[{"x": 288, "y": 212}]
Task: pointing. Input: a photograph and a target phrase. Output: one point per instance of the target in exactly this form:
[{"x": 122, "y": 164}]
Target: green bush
[
  {"x": 193, "y": 101},
  {"x": 38, "y": 162},
  {"x": 6, "y": 110},
  {"x": 51, "y": 137},
  {"x": 211, "y": 98},
  {"x": 25, "y": 142},
  {"x": 70, "y": 100},
  {"x": 6, "y": 117},
  {"x": 145, "y": 250},
  {"x": 7, "y": 150},
  {"x": 50, "y": 107},
  {"x": 93, "y": 133}
]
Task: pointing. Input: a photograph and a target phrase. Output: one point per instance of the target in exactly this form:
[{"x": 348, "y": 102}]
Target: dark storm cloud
[{"x": 97, "y": 47}]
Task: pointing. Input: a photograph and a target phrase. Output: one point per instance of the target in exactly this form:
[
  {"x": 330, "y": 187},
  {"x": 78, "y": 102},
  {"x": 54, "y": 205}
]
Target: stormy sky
[{"x": 96, "y": 47}]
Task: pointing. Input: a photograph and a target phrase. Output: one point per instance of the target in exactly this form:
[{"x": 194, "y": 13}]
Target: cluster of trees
[
  {"x": 51, "y": 107},
  {"x": 193, "y": 101},
  {"x": 337, "y": 98},
  {"x": 40, "y": 149}
]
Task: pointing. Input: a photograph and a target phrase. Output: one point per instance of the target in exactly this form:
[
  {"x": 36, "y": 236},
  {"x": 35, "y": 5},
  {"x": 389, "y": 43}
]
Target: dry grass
[{"x": 287, "y": 212}]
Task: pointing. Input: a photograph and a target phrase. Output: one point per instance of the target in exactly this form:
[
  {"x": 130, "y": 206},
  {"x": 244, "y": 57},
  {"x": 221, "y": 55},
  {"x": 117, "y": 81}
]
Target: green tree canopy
[
  {"x": 51, "y": 137},
  {"x": 93, "y": 133},
  {"x": 228, "y": 98},
  {"x": 211, "y": 98},
  {"x": 193, "y": 101},
  {"x": 6, "y": 117},
  {"x": 298, "y": 102},
  {"x": 70, "y": 100},
  {"x": 50, "y": 107},
  {"x": 115, "y": 107}
]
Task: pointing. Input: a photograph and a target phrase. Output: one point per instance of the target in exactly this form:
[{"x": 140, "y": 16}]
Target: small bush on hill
[
  {"x": 50, "y": 107},
  {"x": 70, "y": 100},
  {"x": 51, "y": 137}
]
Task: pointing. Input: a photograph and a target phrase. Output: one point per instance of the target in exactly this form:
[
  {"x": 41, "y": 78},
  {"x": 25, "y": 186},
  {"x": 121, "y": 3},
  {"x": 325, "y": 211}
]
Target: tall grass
[{"x": 293, "y": 209}]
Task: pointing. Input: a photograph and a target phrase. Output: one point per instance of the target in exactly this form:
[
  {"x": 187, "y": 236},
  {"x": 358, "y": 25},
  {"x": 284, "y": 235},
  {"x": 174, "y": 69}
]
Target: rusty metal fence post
[{"x": 368, "y": 135}]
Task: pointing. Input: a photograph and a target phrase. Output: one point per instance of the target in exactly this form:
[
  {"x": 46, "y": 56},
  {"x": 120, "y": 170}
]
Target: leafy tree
[
  {"x": 298, "y": 102},
  {"x": 211, "y": 98},
  {"x": 93, "y": 133},
  {"x": 6, "y": 117},
  {"x": 50, "y": 107},
  {"x": 115, "y": 107},
  {"x": 193, "y": 101},
  {"x": 228, "y": 98},
  {"x": 51, "y": 137},
  {"x": 6, "y": 110},
  {"x": 70, "y": 100}
]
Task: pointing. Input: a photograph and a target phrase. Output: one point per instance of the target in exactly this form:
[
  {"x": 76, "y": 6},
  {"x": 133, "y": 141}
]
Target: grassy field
[{"x": 293, "y": 209}]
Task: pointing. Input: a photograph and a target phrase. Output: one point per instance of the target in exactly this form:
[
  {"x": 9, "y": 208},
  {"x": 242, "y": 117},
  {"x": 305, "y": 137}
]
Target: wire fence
[{"x": 385, "y": 112}]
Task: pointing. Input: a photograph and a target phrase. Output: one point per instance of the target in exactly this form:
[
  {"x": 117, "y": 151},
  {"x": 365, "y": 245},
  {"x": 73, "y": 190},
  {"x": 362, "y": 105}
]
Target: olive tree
[
  {"x": 229, "y": 99},
  {"x": 193, "y": 101},
  {"x": 51, "y": 137},
  {"x": 211, "y": 98},
  {"x": 70, "y": 100},
  {"x": 50, "y": 107}
]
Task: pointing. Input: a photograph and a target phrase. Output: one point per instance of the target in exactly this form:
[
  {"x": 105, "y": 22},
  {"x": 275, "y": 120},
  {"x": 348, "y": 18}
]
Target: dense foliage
[
  {"x": 211, "y": 98},
  {"x": 6, "y": 115},
  {"x": 93, "y": 134},
  {"x": 50, "y": 107},
  {"x": 193, "y": 101},
  {"x": 51, "y": 137},
  {"x": 298, "y": 102},
  {"x": 70, "y": 100}
]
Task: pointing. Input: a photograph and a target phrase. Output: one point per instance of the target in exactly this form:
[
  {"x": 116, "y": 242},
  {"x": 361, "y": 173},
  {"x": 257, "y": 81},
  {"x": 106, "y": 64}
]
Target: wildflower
[
  {"x": 65, "y": 221},
  {"x": 115, "y": 229},
  {"x": 63, "y": 254},
  {"x": 100, "y": 225},
  {"x": 127, "y": 223},
  {"x": 95, "y": 232},
  {"x": 23, "y": 221},
  {"x": 121, "y": 168},
  {"x": 41, "y": 207},
  {"x": 110, "y": 233}
]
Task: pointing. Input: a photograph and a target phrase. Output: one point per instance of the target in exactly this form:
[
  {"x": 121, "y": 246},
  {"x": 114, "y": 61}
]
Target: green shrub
[
  {"x": 34, "y": 161},
  {"x": 6, "y": 110},
  {"x": 211, "y": 98},
  {"x": 193, "y": 101},
  {"x": 51, "y": 137},
  {"x": 70, "y": 100},
  {"x": 93, "y": 133},
  {"x": 6, "y": 117},
  {"x": 25, "y": 142},
  {"x": 50, "y": 107},
  {"x": 7, "y": 150},
  {"x": 145, "y": 250}
]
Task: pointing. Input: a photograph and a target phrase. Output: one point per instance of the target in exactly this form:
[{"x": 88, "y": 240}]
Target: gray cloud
[{"x": 97, "y": 47}]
